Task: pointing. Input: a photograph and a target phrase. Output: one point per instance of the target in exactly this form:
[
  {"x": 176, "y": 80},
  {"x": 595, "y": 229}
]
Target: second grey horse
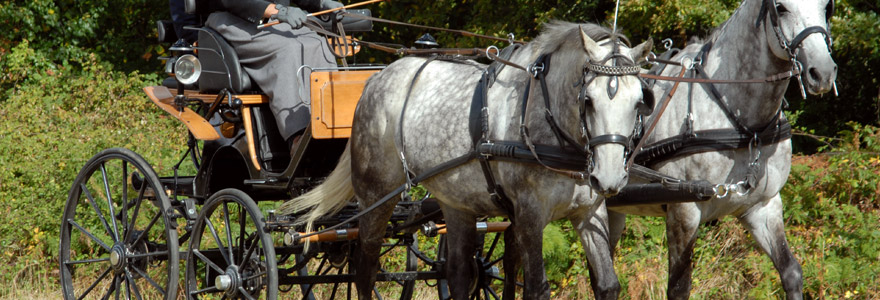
[{"x": 761, "y": 38}]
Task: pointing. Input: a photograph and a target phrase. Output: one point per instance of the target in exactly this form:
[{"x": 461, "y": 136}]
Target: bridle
[
  {"x": 590, "y": 71},
  {"x": 769, "y": 8}
]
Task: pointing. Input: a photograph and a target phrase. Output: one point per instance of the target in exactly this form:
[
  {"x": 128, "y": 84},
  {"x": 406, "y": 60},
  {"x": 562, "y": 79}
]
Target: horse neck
[
  {"x": 741, "y": 51},
  {"x": 562, "y": 100}
]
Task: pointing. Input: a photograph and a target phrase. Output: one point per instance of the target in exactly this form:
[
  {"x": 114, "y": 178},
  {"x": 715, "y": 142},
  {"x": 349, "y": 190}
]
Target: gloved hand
[
  {"x": 290, "y": 15},
  {"x": 330, "y": 4}
]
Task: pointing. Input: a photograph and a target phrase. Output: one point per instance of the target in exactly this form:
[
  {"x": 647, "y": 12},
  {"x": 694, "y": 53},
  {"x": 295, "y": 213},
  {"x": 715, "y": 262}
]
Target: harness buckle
[
  {"x": 511, "y": 38},
  {"x": 799, "y": 69}
]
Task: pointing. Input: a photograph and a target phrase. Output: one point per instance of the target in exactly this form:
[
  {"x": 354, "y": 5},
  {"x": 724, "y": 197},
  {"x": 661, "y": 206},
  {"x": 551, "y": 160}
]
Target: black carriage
[{"x": 209, "y": 229}]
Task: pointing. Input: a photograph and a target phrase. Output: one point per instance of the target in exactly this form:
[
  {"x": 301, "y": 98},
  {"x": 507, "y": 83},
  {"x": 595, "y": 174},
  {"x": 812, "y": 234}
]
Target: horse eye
[{"x": 781, "y": 9}]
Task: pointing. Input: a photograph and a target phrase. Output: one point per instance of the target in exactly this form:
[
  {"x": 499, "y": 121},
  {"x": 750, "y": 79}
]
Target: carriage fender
[{"x": 196, "y": 124}]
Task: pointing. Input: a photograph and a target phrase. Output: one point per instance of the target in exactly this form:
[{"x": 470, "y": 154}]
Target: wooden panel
[
  {"x": 334, "y": 99},
  {"x": 199, "y": 127},
  {"x": 247, "y": 99},
  {"x": 249, "y": 133}
]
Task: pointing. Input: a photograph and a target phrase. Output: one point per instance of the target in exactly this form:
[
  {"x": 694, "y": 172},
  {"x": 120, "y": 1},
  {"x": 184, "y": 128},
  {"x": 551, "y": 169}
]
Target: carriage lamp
[
  {"x": 169, "y": 64},
  {"x": 187, "y": 69}
]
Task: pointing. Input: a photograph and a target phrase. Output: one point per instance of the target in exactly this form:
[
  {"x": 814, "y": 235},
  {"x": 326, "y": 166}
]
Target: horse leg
[
  {"x": 764, "y": 221},
  {"x": 593, "y": 230},
  {"x": 510, "y": 263},
  {"x": 371, "y": 233},
  {"x": 461, "y": 237},
  {"x": 529, "y": 231},
  {"x": 682, "y": 224},
  {"x": 616, "y": 226}
]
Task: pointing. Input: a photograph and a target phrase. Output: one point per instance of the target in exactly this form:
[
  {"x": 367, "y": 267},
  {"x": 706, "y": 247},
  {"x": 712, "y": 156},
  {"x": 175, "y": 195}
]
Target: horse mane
[{"x": 558, "y": 34}]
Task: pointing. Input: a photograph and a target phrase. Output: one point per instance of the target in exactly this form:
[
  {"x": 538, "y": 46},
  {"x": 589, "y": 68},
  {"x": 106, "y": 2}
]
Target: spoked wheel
[
  {"x": 332, "y": 272},
  {"x": 489, "y": 257},
  {"x": 231, "y": 255},
  {"x": 490, "y": 282},
  {"x": 116, "y": 239}
]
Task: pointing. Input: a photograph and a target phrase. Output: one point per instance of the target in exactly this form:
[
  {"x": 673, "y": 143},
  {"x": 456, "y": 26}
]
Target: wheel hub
[
  {"x": 117, "y": 257},
  {"x": 230, "y": 281}
]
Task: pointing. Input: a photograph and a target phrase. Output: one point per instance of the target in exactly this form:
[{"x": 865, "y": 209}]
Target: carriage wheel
[
  {"x": 490, "y": 280},
  {"x": 231, "y": 255},
  {"x": 336, "y": 260},
  {"x": 116, "y": 239}
]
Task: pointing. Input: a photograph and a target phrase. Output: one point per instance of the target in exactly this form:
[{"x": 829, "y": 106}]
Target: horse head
[
  {"x": 614, "y": 104},
  {"x": 800, "y": 31},
  {"x": 600, "y": 70}
]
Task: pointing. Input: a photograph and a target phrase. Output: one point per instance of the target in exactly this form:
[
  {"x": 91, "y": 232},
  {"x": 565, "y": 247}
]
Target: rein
[
  {"x": 656, "y": 119},
  {"x": 460, "y": 32}
]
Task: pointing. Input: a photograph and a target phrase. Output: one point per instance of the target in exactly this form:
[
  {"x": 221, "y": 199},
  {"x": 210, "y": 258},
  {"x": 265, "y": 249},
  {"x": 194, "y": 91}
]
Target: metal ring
[
  {"x": 496, "y": 51},
  {"x": 740, "y": 188},
  {"x": 721, "y": 191},
  {"x": 690, "y": 62}
]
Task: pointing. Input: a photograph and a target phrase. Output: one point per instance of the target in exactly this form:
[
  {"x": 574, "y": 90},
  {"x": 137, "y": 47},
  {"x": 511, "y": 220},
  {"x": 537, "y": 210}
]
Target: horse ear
[
  {"x": 590, "y": 45},
  {"x": 640, "y": 52}
]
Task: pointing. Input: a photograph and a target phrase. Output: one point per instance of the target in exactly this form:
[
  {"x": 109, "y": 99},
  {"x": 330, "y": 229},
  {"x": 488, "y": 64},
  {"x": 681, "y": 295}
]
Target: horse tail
[{"x": 327, "y": 198}]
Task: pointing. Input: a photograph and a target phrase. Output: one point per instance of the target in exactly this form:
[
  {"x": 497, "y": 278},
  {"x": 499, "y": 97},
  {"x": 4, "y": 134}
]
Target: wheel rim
[
  {"x": 115, "y": 235},
  {"x": 231, "y": 254}
]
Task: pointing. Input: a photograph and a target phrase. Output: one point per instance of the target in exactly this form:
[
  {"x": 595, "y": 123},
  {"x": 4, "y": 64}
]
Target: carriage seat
[{"x": 220, "y": 65}]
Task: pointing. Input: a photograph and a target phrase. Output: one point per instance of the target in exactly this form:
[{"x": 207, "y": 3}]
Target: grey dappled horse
[
  {"x": 435, "y": 130},
  {"x": 746, "y": 46}
]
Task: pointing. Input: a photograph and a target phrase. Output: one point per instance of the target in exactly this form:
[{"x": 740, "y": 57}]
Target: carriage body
[
  {"x": 239, "y": 143},
  {"x": 243, "y": 167}
]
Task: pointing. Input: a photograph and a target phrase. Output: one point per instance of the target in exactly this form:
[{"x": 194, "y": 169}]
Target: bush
[{"x": 51, "y": 124}]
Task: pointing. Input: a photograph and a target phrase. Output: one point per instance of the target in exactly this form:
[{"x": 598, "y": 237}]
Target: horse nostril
[
  {"x": 814, "y": 75},
  {"x": 594, "y": 182}
]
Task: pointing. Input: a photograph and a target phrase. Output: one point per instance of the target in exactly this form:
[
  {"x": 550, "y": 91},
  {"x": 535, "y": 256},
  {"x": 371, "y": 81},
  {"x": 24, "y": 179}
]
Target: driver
[{"x": 271, "y": 56}]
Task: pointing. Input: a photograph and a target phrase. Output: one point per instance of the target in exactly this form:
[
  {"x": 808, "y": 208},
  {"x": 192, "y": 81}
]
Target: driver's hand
[{"x": 290, "y": 15}]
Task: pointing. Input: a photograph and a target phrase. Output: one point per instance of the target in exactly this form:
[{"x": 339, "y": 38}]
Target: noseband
[{"x": 769, "y": 7}]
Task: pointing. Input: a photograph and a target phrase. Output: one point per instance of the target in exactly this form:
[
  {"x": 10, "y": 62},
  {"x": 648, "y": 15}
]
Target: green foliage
[
  {"x": 556, "y": 250},
  {"x": 72, "y": 73},
  {"x": 49, "y": 128},
  {"x": 120, "y": 31}
]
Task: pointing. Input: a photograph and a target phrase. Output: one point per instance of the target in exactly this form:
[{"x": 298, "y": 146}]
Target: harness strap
[
  {"x": 796, "y": 42},
  {"x": 478, "y": 126},
  {"x": 401, "y": 140},
  {"x": 561, "y": 135},
  {"x": 500, "y": 61},
  {"x": 710, "y": 140}
]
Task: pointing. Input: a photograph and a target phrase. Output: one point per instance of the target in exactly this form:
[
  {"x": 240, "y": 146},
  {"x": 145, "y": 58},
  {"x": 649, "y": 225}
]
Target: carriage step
[
  {"x": 267, "y": 181},
  {"x": 398, "y": 276}
]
